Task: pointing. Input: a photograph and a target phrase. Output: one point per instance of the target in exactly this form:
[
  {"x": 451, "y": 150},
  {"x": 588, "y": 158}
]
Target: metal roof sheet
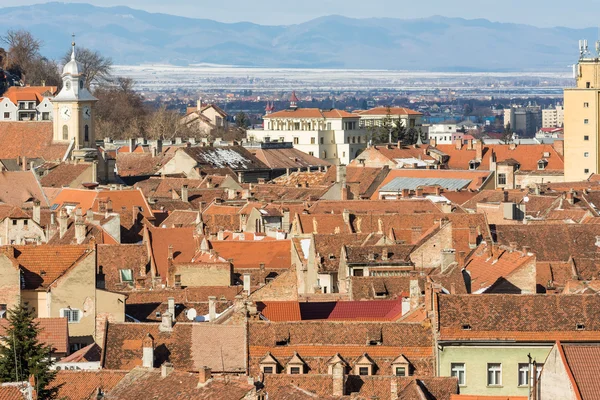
[{"x": 413, "y": 183}]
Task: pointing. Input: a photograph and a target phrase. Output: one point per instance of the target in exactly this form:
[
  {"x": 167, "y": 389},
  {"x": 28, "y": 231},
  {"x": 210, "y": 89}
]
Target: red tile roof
[
  {"x": 11, "y": 391},
  {"x": 54, "y": 332},
  {"x": 275, "y": 254},
  {"x": 29, "y": 139},
  {"x": 310, "y": 113},
  {"x": 18, "y": 187},
  {"x": 383, "y": 310},
  {"x": 44, "y": 264},
  {"x": 383, "y": 111},
  {"x": 584, "y": 363},
  {"x": 29, "y": 93},
  {"x": 79, "y": 385},
  {"x": 183, "y": 243},
  {"x": 64, "y": 175}
]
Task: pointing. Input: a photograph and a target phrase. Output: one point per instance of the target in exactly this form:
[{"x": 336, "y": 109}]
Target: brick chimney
[
  {"x": 419, "y": 192},
  {"x": 204, "y": 375},
  {"x": 148, "y": 351},
  {"x": 478, "y": 150},
  {"x": 570, "y": 196}
]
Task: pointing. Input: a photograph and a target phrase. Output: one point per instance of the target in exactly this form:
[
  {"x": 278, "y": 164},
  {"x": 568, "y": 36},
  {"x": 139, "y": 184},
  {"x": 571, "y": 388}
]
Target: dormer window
[
  {"x": 401, "y": 366},
  {"x": 580, "y": 327},
  {"x": 364, "y": 366},
  {"x": 466, "y": 327},
  {"x": 473, "y": 164},
  {"x": 542, "y": 164}
]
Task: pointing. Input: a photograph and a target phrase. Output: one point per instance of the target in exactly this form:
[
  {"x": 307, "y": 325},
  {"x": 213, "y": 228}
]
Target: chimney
[
  {"x": 62, "y": 223},
  {"x": 52, "y": 218},
  {"x": 489, "y": 251},
  {"x": 346, "y": 216},
  {"x": 458, "y": 144},
  {"x": 438, "y": 191},
  {"x": 89, "y": 216},
  {"x": 247, "y": 284},
  {"x": 384, "y": 254},
  {"x": 204, "y": 375},
  {"x": 36, "y": 211},
  {"x": 170, "y": 252},
  {"x": 338, "y": 379},
  {"x": 415, "y": 293},
  {"x": 212, "y": 308},
  {"x": 478, "y": 150},
  {"x": 432, "y": 142},
  {"x": 419, "y": 192},
  {"x": 131, "y": 145},
  {"x": 526, "y": 249},
  {"x": 184, "y": 193},
  {"x": 472, "y": 237},
  {"x": 220, "y": 234},
  {"x": 148, "y": 351},
  {"x": 171, "y": 305},
  {"x": 153, "y": 150},
  {"x": 24, "y": 163},
  {"x": 505, "y": 196},
  {"x": 79, "y": 231},
  {"x": 166, "y": 324},
  {"x": 394, "y": 388},
  {"x": 165, "y": 369},
  {"x": 570, "y": 196},
  {"x": 405, "y": 193},
  {"x": 159, "y": 146}
]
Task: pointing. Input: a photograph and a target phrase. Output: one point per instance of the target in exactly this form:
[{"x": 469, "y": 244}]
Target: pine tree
[{"x": 22, "y": 355}]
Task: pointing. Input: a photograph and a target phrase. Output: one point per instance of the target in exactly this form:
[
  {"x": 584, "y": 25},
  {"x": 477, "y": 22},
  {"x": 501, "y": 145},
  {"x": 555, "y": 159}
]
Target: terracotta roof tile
[
  {"x": 140, "y": 164},
  {"x": 383, "y": 111},
  {"x": 275, "y": 254},
  {"x": 63, "y": 175},
  {"x": 584, "y": 363},
  {"x": 54, "y": 332},
  {"x": 29, "y": 139},
  {"x": 78, "y": 385},
  {"x": 11, "y": 391},
  {"x": 44, "y": 264},
  {"x": 287, "y": 158},
  {"x": 20, "y": 187},
  {"x": 183, "y": 242},
  {"x": 310, "y": 113}
]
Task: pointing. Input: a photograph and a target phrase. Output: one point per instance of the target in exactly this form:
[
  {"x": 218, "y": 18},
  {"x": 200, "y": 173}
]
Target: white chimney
[
  {"x": 166, "y": 324},
  {"x": 247, "y": 284},
  {"x": 212, "y": 308},
  {"x": 36, "y": 211},
  {"x": 148, "y": 351},
  {"x": 62, "y": 223},
  {"x": 171, "y": 305},
  {"x": 165, "y": 369}
]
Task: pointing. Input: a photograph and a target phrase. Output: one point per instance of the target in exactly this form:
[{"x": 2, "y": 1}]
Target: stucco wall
[
  {"x": 217, "y": 274},
  {"x": 476, "y": 359},
  {"x": 10, "y": 284},
  {"x": 77, "y": 289},
  {"x": 554, "y": 382},
  {"x": 429, "y": 254}
]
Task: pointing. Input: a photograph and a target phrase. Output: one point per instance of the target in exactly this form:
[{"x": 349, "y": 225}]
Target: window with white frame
[
  {"x": 524, "y": 373},
  {"x": 494, "y": 374},
  {"x": 501, "y": 179},
  {"x": 72, "y": 315},
  {"x": 458, "y": 370},
  {"x": 126, "y": 275}
]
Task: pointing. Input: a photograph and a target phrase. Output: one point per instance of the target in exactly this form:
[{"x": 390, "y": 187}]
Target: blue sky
[{"x": 541, "y": 13}]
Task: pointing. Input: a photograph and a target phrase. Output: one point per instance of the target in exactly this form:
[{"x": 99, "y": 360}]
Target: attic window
[
  {"x": 374, "y": 343},
  {"x": 542, "y": 164},
  {"x": 473, "y": 164},
  {"x": 580, "y": 327},
  {"x": 157, "y": 314},
  {"x": 283, "y": 342},
  {"x": 331, "y": 257},
  {"x": 466, "y": 327}
]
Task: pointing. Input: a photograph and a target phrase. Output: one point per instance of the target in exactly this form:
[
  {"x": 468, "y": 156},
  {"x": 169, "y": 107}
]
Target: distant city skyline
[{"x": 542, "y": 13}]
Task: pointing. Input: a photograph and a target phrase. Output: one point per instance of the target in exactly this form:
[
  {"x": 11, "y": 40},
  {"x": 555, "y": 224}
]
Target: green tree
[
  {"x": 22, "y": 355},
  {"x": 399, "y": 131},
  {"x": 380, "y": 133},
  {"x": 241, "y": 120}
]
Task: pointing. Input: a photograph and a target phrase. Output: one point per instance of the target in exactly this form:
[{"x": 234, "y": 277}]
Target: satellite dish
[
  {"x": 525, "y": 199},
  {"x": 191, "y": 314}
]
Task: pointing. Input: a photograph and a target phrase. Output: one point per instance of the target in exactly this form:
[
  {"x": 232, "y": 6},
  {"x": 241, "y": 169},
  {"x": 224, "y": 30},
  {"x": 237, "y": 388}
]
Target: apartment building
[
  {"x": 525, "y": 121},
  {"x": 553, "y": 117},
  {"x": 582, "y": 128}
]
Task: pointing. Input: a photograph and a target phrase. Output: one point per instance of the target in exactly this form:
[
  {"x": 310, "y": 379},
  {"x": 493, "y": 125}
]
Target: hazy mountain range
[{"x": 436, "y": 44}]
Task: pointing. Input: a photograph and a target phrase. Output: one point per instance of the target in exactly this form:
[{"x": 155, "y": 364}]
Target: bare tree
[
  {"x": 42, "y": 71},
  {"x": 96, "y": 67},
  {"x": 166, "y": 124},
  {"x": 23, "y": 48}
]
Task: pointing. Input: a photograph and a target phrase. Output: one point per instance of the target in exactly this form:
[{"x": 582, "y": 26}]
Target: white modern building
[
  {"x": 444, "y": 133},
  {"x": 331, "y": 135},
  {"x": 553, "y": 117}
]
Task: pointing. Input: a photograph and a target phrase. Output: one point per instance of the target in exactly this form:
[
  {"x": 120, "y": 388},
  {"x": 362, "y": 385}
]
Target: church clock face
[
  {"x": 65, "y": 113},
  {"x": 87, "y": 112}
]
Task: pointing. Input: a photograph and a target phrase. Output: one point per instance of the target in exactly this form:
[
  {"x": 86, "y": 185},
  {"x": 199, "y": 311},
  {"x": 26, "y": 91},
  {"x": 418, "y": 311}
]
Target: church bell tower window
[{"x": 65, "y": 132}]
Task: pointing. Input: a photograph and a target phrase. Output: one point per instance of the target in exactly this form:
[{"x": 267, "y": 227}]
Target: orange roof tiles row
[{"x": 346, "y": 351}]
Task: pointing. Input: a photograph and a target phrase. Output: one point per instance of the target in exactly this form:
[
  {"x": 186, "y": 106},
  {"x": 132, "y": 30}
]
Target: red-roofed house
[
  {"x": 58, "y": 282},
  {"x": 28, "y": 103}
]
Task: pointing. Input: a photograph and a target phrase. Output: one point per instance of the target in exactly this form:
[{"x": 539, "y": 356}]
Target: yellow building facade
[{"x": 582, "y": 121}]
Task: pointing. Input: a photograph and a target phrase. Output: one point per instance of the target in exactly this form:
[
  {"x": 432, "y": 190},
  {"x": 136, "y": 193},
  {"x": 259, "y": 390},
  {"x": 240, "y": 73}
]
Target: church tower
[{"x": 74, "y": 108}]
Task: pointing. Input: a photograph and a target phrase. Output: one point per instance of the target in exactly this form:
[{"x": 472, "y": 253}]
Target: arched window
[
  {"x": 81, "y": 84},
  {"x": 65, "y": 132},
  {"x": 86, "y": 134}
]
